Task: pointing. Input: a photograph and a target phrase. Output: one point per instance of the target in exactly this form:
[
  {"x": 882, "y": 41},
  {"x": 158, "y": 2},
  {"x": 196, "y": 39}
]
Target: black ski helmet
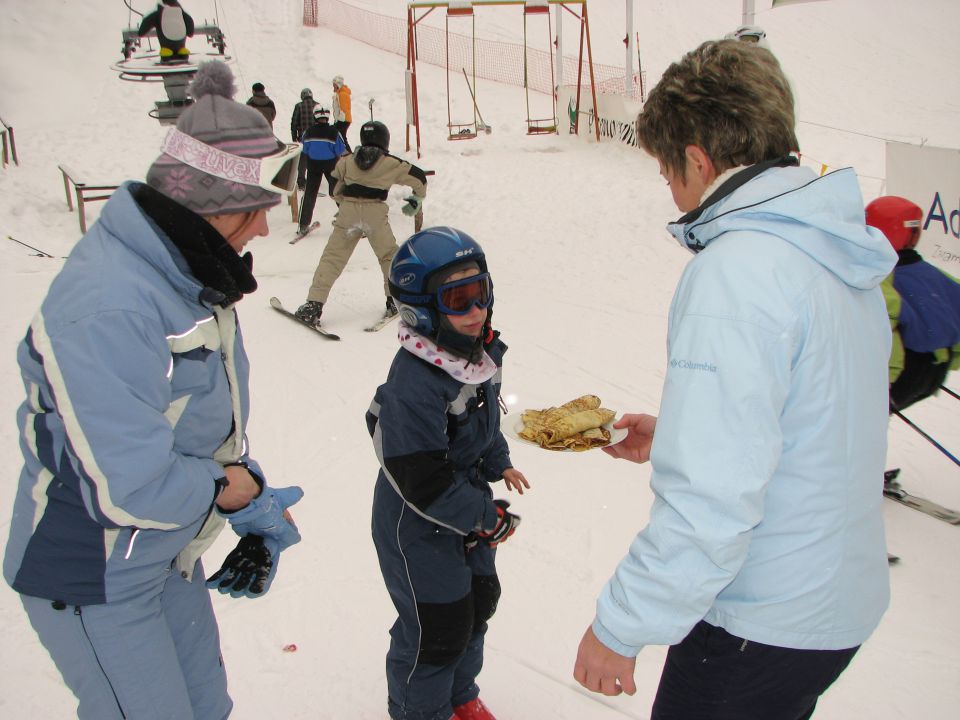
[{"x": 374, "y": 132}]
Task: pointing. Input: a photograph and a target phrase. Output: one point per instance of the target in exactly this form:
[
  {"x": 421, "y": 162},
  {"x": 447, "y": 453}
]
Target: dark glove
[
  {"x": 413, "y": 206},
  {"x": 507, "y": 523},
  {"x": 247, "y": 571}
]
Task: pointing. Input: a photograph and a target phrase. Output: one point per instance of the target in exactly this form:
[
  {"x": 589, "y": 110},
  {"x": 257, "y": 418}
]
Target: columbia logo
[{"x": 690, "y": 365}]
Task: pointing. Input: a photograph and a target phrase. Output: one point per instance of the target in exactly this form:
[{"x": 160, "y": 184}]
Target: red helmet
[{"x": 898, "y": 219}]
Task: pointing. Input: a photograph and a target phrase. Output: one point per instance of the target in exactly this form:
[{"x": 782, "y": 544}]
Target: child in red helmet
[{"x": 923, "y": 303}]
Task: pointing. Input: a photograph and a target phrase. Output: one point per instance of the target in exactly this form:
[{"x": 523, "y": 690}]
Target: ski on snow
[
  {"x": 382, "y": 322},
  {"x": 278, "y": 306},
  {"x": 893, "y": 490},
  {"x": 301, "y": 235}
]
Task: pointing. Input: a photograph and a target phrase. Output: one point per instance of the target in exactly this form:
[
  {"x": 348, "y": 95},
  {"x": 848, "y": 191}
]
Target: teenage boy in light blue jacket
[{"x": 763, "y": 563}]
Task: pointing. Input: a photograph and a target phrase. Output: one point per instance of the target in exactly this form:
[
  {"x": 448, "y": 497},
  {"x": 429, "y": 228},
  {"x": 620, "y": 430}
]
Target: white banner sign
[
  {"x": 618, "y": 115},
  {"x": 930, "y": 177}
]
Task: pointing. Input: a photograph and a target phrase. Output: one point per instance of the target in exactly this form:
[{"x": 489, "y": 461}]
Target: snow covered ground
[{"x": 584, "y": 273}]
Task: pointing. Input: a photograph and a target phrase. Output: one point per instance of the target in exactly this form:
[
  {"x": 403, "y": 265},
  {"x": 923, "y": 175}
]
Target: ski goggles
[
  {"x": 276, "y": 172},
  {"x": 460, "y": 296}
]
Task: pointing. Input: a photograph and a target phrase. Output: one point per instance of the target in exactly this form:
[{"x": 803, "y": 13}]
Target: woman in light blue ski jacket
[
  {"x": 763, "y": 563},
  {"x": 767, "y": 454}
]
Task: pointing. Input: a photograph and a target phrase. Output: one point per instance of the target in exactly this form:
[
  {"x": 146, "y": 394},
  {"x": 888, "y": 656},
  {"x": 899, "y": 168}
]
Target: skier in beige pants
[{"x": 363, "y": 180}]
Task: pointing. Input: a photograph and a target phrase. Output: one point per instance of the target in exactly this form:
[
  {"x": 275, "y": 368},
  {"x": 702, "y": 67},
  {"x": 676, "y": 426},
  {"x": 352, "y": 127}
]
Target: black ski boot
[
  {"x": 391, "y": 308},
  {"x": 310, "y": 312}
]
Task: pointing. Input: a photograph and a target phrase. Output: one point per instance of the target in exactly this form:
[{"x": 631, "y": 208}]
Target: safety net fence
[{"x": 496, "y": 60}]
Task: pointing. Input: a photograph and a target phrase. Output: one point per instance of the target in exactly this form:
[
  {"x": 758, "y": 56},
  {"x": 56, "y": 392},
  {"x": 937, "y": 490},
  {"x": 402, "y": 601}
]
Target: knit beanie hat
[{"x": 215, "y": 119}]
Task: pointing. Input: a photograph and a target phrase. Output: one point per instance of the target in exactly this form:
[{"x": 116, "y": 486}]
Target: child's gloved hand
[
  {"x": 413, "y": 205},
  {"x": 507, "y": 524}
]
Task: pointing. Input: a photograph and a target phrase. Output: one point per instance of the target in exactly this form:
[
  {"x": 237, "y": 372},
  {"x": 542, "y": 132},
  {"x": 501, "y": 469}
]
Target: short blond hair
[{"x": 729, "y": 98}]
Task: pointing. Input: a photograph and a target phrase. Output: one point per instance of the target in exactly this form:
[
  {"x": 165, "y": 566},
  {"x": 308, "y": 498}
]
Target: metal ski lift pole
[
  {"x": 481, "y": 125},
  {"x": 643, "y": 90},
  {"x": 937, "y": 445}
]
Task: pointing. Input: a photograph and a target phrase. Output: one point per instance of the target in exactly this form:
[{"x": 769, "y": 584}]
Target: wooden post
[
  {"x": 294, "y": 206},
  {"x": 66, "y": 188},
  {"x": 81, "y": 210},
  {"x": 9, "y": 144}
]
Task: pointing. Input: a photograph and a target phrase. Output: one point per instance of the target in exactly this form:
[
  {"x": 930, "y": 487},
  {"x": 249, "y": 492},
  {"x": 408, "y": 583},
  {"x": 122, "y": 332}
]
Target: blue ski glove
[
  {"x": 413, "y": 206},
  {"x": 247, "y": 571},
  {"x": 264, "y": 516}
]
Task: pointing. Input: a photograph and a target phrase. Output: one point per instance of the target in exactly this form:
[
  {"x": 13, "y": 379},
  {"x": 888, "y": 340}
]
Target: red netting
[
  {"x": 310, "y": 13},
  {"x": 495, "y": 60}
]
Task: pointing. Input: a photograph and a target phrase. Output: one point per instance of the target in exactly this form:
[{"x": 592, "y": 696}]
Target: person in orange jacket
[{"x": 342, "y": 117}]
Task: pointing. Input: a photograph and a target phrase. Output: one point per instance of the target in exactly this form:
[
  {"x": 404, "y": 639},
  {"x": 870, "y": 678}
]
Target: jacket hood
[
  {"x": 366, "y": 156},
  {"x": 822, "y": 216}
]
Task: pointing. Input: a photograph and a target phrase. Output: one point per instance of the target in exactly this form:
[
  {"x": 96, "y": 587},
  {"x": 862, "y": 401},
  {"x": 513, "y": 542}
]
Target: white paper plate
[{"x": 512, "y": 423}]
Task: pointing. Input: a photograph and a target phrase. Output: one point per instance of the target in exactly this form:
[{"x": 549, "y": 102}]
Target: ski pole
[
  {"x": 950, "y": 392},
  {"x": 40, "y": 253},
  {"x": 370, "y": 105},
  {"x": 643, "y": 92},
  {"x": 937, "y": 445},
  {"x": 481, "y": 125}
]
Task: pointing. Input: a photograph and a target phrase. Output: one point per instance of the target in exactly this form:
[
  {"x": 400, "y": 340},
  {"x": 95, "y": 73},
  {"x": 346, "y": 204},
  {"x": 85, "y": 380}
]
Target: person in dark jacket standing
[
  {"x": 435, "y": 425},
  {"x": 323, "y": 146},
  {"x": 260, "y": 102},
  {"x": 363, "y": 180},
  {"x": 302, "y": 119},
  {"x": 134, "y": 425}
]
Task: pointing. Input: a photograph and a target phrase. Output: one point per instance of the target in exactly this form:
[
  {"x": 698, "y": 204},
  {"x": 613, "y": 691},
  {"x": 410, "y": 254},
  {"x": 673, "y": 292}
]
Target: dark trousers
[
  {"x": 341, "y": 126},
  {"x": 444, "y": 594},
  {"x": 317, "y": 170},
  {"x": 921, "y": 377},
  {"x": 713, "y": 675}
]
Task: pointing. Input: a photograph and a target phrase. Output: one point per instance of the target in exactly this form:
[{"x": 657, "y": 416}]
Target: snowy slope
[{"x": 584, "y": 274}]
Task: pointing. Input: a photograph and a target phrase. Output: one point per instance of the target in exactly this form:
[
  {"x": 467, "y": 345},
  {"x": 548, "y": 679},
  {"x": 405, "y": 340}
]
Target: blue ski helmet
[{"x": 420, "y": 266}]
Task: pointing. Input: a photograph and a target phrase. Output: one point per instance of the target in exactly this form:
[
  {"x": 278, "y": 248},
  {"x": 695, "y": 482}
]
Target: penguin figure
[{"x": 173, "y": 26}]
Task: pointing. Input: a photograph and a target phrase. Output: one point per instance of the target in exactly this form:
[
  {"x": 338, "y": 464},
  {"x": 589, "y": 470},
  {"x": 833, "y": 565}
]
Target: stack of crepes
[{"x": 576, "y": 425}]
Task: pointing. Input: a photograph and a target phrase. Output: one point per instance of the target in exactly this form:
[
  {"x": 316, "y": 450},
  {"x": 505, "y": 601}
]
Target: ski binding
[{"x": 278, "y": 306}]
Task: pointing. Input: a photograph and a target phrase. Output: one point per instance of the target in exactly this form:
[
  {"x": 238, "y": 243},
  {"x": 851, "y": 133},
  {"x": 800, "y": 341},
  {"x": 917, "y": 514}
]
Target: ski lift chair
[{"x": 145, "y": 66}]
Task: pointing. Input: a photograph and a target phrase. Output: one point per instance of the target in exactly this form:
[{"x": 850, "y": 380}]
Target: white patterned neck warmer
[{"x": 456, "y": 367}]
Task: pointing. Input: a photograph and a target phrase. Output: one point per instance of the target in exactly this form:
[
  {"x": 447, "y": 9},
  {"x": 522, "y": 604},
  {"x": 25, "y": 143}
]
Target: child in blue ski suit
[{"x": 435, "y": 425}]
